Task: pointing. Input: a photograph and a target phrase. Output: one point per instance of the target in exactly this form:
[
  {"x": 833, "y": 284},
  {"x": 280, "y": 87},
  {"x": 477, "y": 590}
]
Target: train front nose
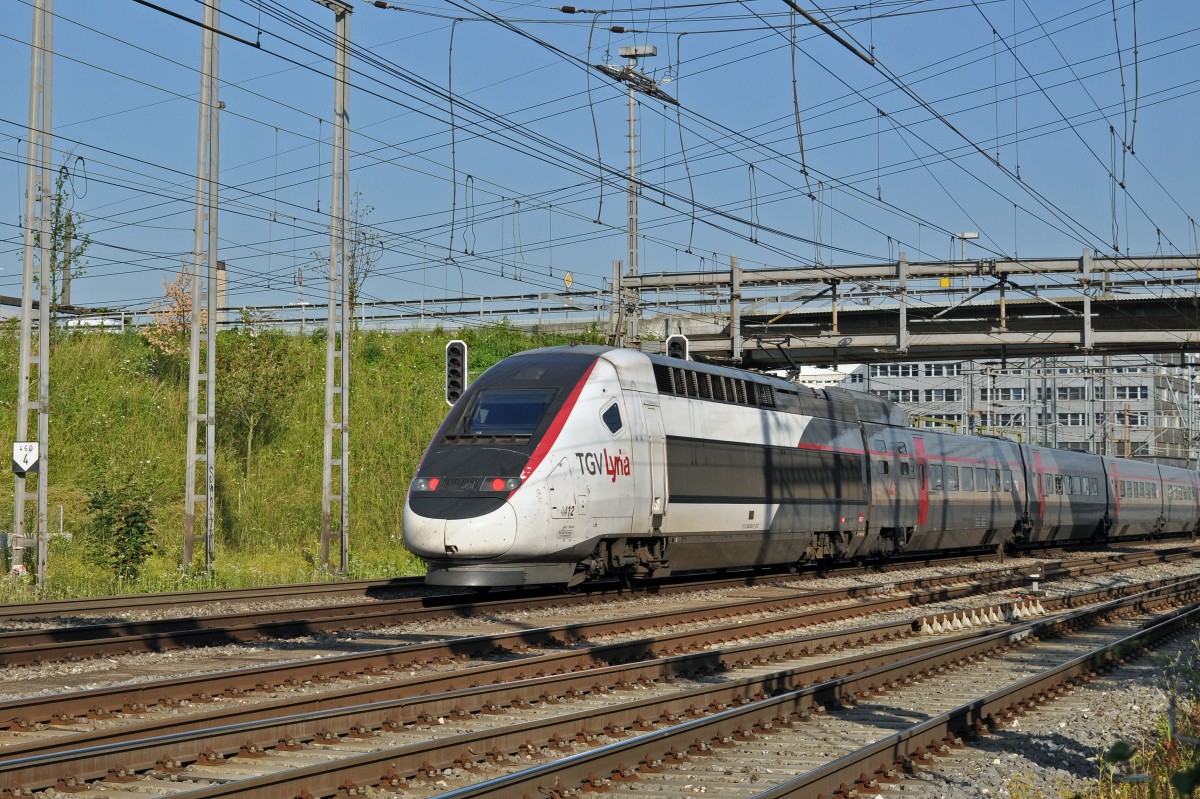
[{"x": 487, "y": 535}]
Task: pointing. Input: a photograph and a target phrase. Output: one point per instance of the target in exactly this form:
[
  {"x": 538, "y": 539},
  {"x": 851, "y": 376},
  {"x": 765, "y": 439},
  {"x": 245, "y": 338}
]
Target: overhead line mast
[
  {"x": 341, "y": 316},
  {"x": 39, "y": 195},
  {"x": 628, "y": 333},
  {"x": 204, "y": 256}
]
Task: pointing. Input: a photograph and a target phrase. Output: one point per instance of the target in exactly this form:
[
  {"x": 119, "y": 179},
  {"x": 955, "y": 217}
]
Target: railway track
[
  {"x": 49, "y": 642},
  {"x": 466, "y": 708},
  {"x": 174, "y": 600}
]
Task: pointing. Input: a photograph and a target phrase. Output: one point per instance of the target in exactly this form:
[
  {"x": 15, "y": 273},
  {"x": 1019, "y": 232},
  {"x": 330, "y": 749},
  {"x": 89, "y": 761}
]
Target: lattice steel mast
[
  {"x": 204, "y": 258},
  {"x": 39, "y": 196},
  {"x": 340, "y": 318}
]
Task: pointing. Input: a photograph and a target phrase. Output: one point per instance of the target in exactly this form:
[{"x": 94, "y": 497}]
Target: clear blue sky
[{"x": 1063, "y": 95}]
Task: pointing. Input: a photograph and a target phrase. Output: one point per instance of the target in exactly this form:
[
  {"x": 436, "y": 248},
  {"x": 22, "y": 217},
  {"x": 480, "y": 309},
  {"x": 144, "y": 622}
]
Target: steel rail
[
  {"x": 218, "y": 742},
  {"x": 591, "y": 770},
  {"x": 25, "y": 711},
  {"x": 43, "y": 608},
  {"x": 900, "y": 752},
  {"x": 222, "y": 735},
  {"x": 30, "y": 646},
  {"x": 101, "y": 702}
]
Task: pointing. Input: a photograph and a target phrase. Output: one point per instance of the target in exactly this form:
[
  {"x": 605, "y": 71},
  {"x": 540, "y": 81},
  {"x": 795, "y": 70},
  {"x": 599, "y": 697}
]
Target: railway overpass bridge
[
  {"x": 984, "y": 309},
  {"x": 900, "y": 311}
]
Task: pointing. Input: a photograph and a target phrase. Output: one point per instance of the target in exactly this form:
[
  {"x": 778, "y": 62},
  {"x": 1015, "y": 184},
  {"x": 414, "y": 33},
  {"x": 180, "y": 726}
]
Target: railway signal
[
  {"x": 456, "y": 370},
  {"x": 677, "y": 347}
]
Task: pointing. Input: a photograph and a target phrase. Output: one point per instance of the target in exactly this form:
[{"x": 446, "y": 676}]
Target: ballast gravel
[
  {"x": 1057, "y": 751},
  {"x": 1053, "y": 753}
]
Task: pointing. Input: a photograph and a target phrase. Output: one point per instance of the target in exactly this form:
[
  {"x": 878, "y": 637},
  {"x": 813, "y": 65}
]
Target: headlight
[{"x": 425, "y": 484}]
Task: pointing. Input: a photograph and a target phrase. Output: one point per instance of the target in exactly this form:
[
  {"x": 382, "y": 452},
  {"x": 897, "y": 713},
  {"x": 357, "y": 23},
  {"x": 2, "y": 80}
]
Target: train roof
[{"x": 836, "y": 402}]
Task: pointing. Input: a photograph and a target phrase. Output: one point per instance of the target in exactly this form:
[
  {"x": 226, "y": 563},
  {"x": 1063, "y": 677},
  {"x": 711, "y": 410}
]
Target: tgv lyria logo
[{"x": 614, "y": 466}]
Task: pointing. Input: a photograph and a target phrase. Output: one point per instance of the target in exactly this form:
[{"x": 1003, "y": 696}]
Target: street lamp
[
  {"x": 637, "y": 82},
  {"x": 962, "y": 237}
]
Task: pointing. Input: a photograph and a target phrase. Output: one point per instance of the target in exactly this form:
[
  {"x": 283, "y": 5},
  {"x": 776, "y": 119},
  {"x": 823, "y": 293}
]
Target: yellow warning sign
[{"x": 568, "y": 279}]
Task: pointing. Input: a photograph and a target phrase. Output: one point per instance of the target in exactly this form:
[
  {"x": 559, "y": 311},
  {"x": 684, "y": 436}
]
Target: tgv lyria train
[{"x": 564, "y": 464}]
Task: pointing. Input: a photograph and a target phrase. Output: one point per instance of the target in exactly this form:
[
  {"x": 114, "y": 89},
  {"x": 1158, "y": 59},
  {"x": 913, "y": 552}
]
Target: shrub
[{"x": 121, "y": 536}]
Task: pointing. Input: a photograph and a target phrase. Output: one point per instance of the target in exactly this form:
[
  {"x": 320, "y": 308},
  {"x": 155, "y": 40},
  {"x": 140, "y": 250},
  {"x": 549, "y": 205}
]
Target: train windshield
[{"x": 508, "y": 412}]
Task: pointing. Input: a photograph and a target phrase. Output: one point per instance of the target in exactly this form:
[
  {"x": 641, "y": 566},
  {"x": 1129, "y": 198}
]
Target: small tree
[
  {"x": 363, "y": 249},
  {"x": 121, "y": 535},
  {"x": 256, "y": 378},
  {"x": 66, "y": 245},
  {"x": 173, "y": 317}
]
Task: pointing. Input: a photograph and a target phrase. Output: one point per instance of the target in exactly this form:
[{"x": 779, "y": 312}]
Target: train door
[
  {"x": 1114, "y": 496},
  {"x": 1194, "y": 491},
  {"x": 906, "y": 480},
  {"x": 893, "y": 484},
  {"x": 564, "y": 502},
  {"x": 1035, "y": 496},
  {"x": 922, "y": 481},
  {"x": 657, "y": 464}
]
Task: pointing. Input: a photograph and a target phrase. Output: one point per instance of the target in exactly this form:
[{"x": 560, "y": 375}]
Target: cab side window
[{"x": 612, "y": 418}]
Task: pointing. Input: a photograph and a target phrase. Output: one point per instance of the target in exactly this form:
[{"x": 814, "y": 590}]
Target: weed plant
[
  {"x": 1165, "y": 761},
  {"x": 119, "y": 417}
]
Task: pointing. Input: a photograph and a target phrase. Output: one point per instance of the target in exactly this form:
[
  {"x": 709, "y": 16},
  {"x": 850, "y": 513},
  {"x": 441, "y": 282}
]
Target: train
[{"x": 567, "y": 464}]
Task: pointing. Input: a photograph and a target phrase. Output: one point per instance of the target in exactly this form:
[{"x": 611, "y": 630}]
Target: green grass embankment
[{"x": 119, "y": 412}]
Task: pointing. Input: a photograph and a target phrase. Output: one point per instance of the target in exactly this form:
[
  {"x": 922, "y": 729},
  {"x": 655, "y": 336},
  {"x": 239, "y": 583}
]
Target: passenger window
[
  {"x": 935, "y": 478},
  {"x": 612, "y": 418},
  {"x": 1122, "y": 486},
  {"x": 981, "y": 483},
  {"x": 1049, "y": 484},
  {"x": 995, "y": 479},
  {"x": 951, "y": 478},
  {"x": 968, "y": 479},
  {"x": 881, "y": 467},
  {"x": 904, "y": 468},
  {"x": 1007, "y": 485},
  {"x": 1058, "y": 484}
]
